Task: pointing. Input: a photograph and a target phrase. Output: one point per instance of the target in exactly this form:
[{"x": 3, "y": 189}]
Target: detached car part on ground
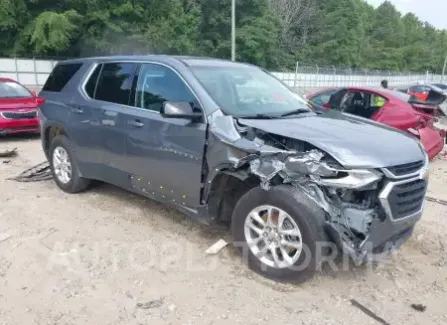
[
  {"x": 227, "y": 143},
  {"x": 392, "y": 108},
  {"x": 18, "y": 108}
]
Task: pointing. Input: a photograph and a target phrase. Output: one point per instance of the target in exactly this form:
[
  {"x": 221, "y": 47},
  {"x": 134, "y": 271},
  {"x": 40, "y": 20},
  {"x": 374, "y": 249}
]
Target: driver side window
[{"x": 158, "y": 84}]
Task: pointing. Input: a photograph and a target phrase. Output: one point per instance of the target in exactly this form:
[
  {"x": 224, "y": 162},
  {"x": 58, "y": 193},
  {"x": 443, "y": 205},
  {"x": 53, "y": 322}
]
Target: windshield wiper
[
  {"x": 296, "y": 112},
  {"x": 259, "y": 117}
]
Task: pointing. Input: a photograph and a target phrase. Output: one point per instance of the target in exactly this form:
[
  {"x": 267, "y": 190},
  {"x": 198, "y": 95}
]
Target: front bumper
[
  {"x": 22, "y": 125},
  {"x": 401, "y": 207},
  {"x": 385, "y": 236}
]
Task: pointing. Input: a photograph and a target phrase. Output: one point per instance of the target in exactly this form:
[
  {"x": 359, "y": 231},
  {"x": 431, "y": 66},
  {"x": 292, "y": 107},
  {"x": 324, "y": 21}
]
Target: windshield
[
  {"x": 441, "y": 86},
  {"x": 9, "y": 89},
  {"x": 246, "y": 91}
]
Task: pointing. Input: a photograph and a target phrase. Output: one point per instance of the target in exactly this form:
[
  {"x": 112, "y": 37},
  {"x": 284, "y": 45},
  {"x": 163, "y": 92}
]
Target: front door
[{"x": 164, "y": 155}]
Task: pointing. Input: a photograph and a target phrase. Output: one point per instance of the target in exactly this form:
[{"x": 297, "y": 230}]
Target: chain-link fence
[
  {"x": 309, "y": 78},
  {"x": 34, "y": 72}
]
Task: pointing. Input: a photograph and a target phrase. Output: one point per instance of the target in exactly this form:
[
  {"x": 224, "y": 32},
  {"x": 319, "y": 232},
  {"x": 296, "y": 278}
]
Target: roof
[
  {"x": 186, "y": 60},
  {"x": 6, "y": 80}
]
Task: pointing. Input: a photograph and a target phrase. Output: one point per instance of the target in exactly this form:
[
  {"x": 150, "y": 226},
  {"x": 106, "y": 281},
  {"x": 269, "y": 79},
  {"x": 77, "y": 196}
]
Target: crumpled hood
[{"x": 355, "y": 142}]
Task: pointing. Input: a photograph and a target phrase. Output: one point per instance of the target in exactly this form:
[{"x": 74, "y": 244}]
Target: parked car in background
[
  {"x": 393, "y": 108},
  {"x": 420, "y": 91},
  {"x": 227, "y": 143},
  {"x": 428, "y": 98},
  {"x": 18, "y": 108}
]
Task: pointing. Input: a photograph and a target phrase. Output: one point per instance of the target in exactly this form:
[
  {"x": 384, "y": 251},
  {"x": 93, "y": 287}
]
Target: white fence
[
  {"x": 34, "y": 73},
  {"x": 29, "y": 72},
  {"x": 309, "y": 78}
]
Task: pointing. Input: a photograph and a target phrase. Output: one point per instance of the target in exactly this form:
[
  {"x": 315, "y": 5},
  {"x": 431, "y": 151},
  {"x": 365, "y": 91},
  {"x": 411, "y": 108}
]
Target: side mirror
[
  {"x": 179, "y": 110},
  {"x": 40, "y": 101}
]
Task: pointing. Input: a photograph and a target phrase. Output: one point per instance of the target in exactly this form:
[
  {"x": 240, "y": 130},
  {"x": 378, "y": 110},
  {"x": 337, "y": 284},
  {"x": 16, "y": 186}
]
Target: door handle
[
  {"x": 136, "y": 123},
  {"x": 77, "y": 110}
]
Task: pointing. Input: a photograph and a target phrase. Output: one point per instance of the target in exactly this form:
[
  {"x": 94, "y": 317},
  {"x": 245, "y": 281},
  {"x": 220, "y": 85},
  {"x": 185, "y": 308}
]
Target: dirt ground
[{"x": 110, "y": 257}]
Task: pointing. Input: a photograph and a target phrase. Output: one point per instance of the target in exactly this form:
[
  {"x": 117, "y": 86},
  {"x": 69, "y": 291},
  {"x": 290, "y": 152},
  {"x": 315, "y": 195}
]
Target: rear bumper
[{"x": 10, "y": 126}]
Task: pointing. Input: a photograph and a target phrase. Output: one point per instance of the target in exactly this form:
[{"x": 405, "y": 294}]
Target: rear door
[
  {"x": 164, "y": 155},
  {"x": 100, "y": 124},
  {"x": 112, "y": 97}
]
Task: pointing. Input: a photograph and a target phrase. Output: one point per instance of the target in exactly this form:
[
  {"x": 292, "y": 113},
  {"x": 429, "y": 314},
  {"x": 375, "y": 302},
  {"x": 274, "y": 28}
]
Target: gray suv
[{"x": 229, "y": 144}]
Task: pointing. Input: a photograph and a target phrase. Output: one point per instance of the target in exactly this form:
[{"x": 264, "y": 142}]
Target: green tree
[{"x": 270, "y": 33}]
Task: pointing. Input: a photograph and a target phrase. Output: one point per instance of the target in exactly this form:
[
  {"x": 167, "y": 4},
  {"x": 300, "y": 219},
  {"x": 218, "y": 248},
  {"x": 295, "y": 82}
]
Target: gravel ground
[{"x": 110, "y": 257}]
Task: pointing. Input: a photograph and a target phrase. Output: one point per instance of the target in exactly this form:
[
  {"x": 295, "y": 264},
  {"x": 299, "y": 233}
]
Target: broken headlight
[
  {"x": 328, "y": 172},
  {"x": 310, "y": 163},
  {"x": 351, "y": 179}
]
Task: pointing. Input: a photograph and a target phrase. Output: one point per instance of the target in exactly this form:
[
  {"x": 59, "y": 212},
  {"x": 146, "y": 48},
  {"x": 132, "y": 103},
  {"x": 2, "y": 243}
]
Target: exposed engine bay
[{"x": 350, "y": 197}]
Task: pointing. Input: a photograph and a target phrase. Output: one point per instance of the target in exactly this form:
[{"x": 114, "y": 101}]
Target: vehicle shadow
[
  {"x": 168, "y": 219},
  {"x": 19, "y": 137},
  {"x": 163, "y": 212}
]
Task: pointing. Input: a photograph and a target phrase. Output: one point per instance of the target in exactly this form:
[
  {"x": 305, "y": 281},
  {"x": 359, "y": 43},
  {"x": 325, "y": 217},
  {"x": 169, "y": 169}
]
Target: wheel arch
[
  {"x": 226, "y": 189},
  {"x": 51, "y": 130}
]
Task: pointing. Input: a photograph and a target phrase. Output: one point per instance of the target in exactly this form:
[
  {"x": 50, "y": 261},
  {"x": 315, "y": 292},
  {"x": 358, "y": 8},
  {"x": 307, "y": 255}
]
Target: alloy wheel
[
  {"x": 273, "y": 236},
  {"x": 62, "y": 165}
]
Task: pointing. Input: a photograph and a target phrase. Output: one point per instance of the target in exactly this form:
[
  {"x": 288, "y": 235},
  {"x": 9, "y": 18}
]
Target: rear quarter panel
[
  {"x": 57, "y": 106},
  {"x": 398, "y": 115}
]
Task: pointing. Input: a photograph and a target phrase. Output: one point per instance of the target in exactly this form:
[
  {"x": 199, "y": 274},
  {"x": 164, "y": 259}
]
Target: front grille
[
  {"x": 407, "y": 198},
  {"x": 19, "y": 115},
  {"x": 401, "y": 170}
]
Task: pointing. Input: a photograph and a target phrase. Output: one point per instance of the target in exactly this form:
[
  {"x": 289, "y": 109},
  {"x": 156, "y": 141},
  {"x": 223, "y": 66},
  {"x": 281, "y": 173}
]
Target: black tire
[
  {"x": 76, "y": 184},
  {"x": 308, "y": 216}
]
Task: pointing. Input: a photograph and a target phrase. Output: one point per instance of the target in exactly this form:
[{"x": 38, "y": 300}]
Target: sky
[{"x": 433, "y": 11}]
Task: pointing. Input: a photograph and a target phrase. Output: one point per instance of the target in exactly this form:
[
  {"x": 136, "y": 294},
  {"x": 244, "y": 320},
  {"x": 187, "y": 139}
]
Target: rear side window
[
  {"x": 60, "y": 76},
  {"x": 323, "y": 98},
  {"x": 115, "y": 82},
  {"x": 90, "y": 87}
]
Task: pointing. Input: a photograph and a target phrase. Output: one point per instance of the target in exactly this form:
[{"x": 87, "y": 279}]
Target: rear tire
[
  {"x": 64, "y": 166},
  {"x": 303, "y": 216}
]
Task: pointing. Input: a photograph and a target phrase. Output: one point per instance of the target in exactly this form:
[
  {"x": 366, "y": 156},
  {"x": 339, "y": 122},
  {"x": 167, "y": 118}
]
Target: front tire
[
  {"x": 64, "y": 166},
  {"x": 280, "y": 233}
]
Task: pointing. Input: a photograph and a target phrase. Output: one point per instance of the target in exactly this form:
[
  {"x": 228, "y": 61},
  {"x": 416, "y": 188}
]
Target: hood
[
  {"x": 355, "y": 142},
  {"x": 17, "y": 103}
]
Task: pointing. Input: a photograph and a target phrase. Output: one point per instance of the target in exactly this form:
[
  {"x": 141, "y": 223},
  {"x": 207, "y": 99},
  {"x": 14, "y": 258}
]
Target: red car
[
  {"x": 389, "y": 107},
  {"x": 18, "y": 108}
]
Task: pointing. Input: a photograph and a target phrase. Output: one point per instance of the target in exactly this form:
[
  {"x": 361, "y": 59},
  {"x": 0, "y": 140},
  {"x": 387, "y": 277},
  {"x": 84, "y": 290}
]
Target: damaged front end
[{"x": 355, "y": 201}]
